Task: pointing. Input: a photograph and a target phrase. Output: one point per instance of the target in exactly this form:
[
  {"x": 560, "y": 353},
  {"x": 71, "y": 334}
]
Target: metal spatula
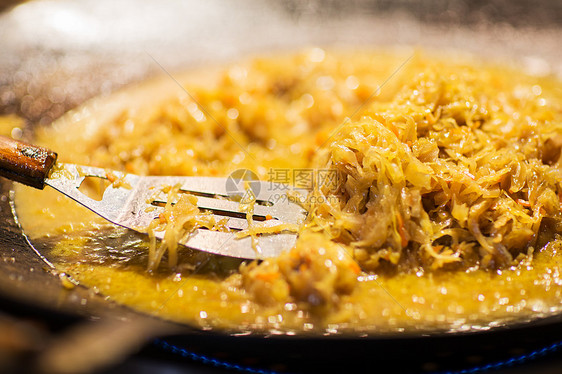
[{"x": 135, "y": 201}]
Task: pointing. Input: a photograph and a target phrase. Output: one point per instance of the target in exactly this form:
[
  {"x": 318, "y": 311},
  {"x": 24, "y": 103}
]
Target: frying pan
[{"x": 56, "y": 55}]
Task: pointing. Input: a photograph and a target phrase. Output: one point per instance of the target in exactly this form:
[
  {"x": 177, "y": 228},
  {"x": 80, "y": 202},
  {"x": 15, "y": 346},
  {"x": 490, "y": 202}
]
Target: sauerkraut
[
  {"x": 444, "y": 212},
  {"x": 444, "y": 175}
]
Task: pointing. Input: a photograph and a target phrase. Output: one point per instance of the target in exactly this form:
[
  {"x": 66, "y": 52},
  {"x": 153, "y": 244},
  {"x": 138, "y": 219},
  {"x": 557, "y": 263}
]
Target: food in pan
[{"x": 435, "y": 192}]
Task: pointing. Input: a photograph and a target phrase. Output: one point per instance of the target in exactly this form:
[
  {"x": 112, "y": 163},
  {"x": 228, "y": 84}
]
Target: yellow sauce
[{"x": 277, "y": 113}]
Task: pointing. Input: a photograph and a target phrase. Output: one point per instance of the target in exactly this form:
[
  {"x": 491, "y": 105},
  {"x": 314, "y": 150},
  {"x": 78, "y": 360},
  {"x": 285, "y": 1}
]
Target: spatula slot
[
  {"x": 94, "y": 187},
  {"x": 228, "y": 197},
  {"x": 222, "y": 213}
]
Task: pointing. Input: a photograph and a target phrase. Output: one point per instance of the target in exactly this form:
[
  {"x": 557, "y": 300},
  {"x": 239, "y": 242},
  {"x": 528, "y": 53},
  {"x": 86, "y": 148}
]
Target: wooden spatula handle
[{"x": 25, "y": 163}]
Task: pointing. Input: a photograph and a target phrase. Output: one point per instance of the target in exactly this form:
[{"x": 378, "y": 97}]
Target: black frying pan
[{"x": 57, "y": 55}]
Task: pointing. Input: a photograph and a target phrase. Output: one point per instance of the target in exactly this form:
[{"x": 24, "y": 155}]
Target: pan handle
[{"x": 25, "y": 163}]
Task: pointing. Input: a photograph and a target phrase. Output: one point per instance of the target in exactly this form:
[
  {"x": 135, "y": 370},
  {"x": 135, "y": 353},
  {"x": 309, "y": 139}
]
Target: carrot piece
[
  {"x": 402, "y": 231},
  {"x": 320, "y": 138},
  {"x": 111, "y": 177},
  {"x": 267, "y": 277},
  {"x": 355, "y": 267}
]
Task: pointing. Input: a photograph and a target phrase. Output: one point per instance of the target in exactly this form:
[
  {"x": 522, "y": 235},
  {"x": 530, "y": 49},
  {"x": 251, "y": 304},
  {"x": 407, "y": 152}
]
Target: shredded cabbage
[
  {"x": 438, "y": 177},
  {"x": 181, "y": 217}
]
